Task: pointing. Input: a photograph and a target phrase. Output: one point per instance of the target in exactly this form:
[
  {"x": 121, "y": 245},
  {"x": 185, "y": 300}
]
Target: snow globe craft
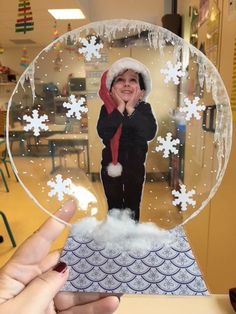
[{"x": 135, "y": 124}]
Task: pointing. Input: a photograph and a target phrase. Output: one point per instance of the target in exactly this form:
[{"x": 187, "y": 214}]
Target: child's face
[{"x": 126, "y": 84}]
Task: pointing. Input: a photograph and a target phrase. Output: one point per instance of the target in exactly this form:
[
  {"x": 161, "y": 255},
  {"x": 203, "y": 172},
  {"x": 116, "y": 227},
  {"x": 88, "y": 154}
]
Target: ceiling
[{"x": 95, "y": 10}]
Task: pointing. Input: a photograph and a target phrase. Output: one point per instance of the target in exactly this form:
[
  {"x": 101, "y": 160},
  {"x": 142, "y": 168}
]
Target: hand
[
  {"x": 118, "y": 100},
  {"x": 137, "y": 95},
  {"x": 28, "y": 284}
]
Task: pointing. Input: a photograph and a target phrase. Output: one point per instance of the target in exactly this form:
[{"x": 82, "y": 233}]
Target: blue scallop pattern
[{"x": 169, "y": 269}]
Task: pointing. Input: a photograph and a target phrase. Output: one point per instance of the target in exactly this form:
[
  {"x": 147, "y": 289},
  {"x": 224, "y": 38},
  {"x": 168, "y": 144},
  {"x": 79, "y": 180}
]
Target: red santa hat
[{"x": 114, "y": 169}]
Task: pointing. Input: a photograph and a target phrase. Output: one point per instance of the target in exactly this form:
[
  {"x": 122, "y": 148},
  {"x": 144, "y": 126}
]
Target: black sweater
[{"x": 137, "y": 129}]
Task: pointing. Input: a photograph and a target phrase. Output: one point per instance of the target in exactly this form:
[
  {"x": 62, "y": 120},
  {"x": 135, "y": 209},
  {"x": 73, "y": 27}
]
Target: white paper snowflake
[
  {"x": 35, "y": 122},
  {"x": 75, "y": 107},
  {"x": 192, "y": 108},
  {"x": 167, "y": 144},
  {"x": 91, "y": 48},
  {"x": 183, "y": 197},
  {"x": 59, "y": 187},
  {"x": 173, "y": 72}
]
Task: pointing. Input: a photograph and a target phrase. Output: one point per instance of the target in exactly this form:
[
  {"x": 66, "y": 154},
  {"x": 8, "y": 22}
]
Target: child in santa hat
[{"x": 126, "y": 124}]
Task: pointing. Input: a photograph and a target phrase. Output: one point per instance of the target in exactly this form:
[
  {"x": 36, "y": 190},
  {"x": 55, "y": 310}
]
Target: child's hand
[
  {"x": 137, "y": 95},
  {"x": 118, "y": 100}
]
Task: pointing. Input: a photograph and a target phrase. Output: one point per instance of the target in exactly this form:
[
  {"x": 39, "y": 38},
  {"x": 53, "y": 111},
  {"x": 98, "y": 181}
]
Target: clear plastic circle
[{"x": 53, "y": 112}]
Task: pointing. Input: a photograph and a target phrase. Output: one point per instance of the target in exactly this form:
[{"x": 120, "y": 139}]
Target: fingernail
[
  {"x": 232, "y": 296},
  {"x": 118, "y": 296},
  {"x": 60, "y": 267}
]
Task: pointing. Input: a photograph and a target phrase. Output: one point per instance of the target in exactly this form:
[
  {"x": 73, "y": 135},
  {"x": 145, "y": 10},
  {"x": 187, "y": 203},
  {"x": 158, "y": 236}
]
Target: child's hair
[{"x": 141, "y": 82}]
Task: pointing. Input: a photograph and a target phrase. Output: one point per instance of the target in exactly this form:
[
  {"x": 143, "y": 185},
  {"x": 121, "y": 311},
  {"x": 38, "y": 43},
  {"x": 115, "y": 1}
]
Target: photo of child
[{"x": 126, "y": 124}]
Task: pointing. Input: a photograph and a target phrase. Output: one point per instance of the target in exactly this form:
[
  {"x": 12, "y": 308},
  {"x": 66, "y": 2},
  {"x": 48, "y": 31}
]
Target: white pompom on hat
[
  {"x": 127, "y": 63},
  {"x": 114, "y": 170}
]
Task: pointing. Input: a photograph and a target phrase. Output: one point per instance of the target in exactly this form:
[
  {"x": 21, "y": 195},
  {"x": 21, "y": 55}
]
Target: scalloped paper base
[{"x": 170, "y": 269}]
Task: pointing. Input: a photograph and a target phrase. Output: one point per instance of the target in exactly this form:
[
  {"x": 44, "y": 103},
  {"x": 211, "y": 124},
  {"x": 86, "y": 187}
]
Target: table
[
  {"x": 69, "y": 139},
  {"x": 150, "y": 304},
  {"x": 18, "y": 133},
  {"x": 52, "y": 128}
]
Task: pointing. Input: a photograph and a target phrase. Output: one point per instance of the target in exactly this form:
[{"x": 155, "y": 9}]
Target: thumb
[{"x": 37, "y": 296}]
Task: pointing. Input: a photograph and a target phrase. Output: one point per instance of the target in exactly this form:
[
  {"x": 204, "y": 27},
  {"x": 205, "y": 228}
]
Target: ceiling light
[{"x": 67, "y": 14}]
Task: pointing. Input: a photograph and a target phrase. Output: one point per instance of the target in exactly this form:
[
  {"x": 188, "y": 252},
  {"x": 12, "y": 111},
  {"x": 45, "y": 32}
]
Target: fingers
[
  {"x": 116, "y": 95},
  {"x": 107, "y": 305},
  {"x": 118, "y": 100},
  {"x": 39, "y": 294},
  {"x": 49, "y": 261},
  {"x": 30, "y": 260},
  {"x": 66, "y": 300},
  {"x": 135, "y": 97},
  {"x": 52, "y": 228},
  {"x": 36, "y": 247}
]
